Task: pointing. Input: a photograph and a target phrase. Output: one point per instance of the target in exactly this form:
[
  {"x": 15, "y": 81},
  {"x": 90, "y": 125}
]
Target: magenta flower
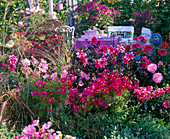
[
  {"x": 157, "y": 77},
  {"x": 166, "y": 104},
  {"x": 13, "y": 59},
  {"x": 11, "y": 66},
  {"x": 50, "y": 100},
  {"x": 3, "y": 65},
  {"x": 152, "y": 67},
  {"x": 147, "y": 95}
]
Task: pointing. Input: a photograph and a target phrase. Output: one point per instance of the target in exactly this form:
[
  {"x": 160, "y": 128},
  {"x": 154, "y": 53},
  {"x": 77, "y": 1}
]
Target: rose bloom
[
  {"x": 157, "y": 77},
  {"x": 152, "y": 67},
  {"x": 147, "y": 48},
  {"x": 166, "y": 104},
  {"x": 162, "y": 52}
]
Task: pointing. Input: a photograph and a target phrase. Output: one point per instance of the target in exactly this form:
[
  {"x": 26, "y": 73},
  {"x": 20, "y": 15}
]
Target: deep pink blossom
[
  {"x": 166, "y": 104},
  {"x": 162, "y": 52}
]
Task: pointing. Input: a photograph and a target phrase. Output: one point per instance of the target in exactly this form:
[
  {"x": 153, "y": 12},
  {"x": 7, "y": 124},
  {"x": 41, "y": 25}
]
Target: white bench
[{"x": 126, "y": 32}]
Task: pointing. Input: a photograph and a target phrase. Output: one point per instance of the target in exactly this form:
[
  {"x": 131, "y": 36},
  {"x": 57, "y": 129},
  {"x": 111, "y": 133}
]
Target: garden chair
[
  {"x": 126, "y": 32},
  {"x": 68, "y": 33}
]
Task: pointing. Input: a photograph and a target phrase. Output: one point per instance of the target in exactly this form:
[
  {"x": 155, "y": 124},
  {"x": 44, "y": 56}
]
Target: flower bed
[{"x": 98, "y": 92}]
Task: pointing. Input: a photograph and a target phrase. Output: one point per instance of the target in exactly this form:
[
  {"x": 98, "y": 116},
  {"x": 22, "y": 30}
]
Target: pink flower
[
  {"x": 47, "y": 125},
  {"x": 152, "y": 67},
  {"x": 160, "y": 63},
  {"x": 50, "y": 100},
  {"x": 135, "y": 45},
  {"x": 81, "y": 83},
  {"x": 81, "y": 54},
  {"x": 53, "y": 76},
  {"x": 3, "y": 65},
  {"x": 147, "y": 49},
  {"x": 94, "y": 40},
  {"x": 120, "y": 48},
  {"x": 43, "y": 67},
  {"x": 13, "y": 59},
  {"x": 130, "y": 56},
  {"x": 11, "y": 66},
  {"x": 35, "y": 122},
  {"x": 64, "y": 74},
  {"x": 142, "y": 39},
  {"x": 147, "y": 95},
  {"x": 25, "y": 62},
  {"x": 46, "y": 76},
  {"x": 149, "y": 88},
  {"x": 73, "y": 77},
  {"x": 27, "y": 71},
  {"x": 66, "y": 67},
  {"x": 168, "y": 89},
  {"x": 102, "y": 62},
  {"x": 29, "y": 130},
  {"x": 162, "y": 52},
  {"x": 166, "y": 104},
  {"x": 161, "y": 91},
  {"x": 83, "y": 74},
  {"x": 157, "y": 77}
]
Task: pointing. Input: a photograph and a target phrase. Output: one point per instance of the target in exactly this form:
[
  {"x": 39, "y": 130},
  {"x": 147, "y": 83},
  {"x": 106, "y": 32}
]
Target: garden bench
[{"x": 126, "y": 32}]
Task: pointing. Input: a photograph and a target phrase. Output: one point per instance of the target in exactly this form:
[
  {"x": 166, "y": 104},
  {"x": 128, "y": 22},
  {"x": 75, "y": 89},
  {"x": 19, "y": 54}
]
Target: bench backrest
[{"x": 126, "y": 32}]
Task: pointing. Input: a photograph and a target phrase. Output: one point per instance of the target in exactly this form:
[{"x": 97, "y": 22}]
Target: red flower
[
  {"x": 164, "y": 44},
  {"x": 127, "y": 47},
  {"x": 167, "y": 36},
  {"x": 147, "y": 48},
  {"x": 94, "y": 40},
  {"x": 162, "y": 52}
]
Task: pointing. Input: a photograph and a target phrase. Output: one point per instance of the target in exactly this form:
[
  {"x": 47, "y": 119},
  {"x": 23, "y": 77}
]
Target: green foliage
[
  {"x": 7, "y": 132},
  {"x": 9, "y": 16},
  {"x": 127, "y": 10},
  {"x": 146, "y": 127}
]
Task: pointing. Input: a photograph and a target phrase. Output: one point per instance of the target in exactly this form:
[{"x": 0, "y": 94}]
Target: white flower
[{"x": 9, "y": 44}]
